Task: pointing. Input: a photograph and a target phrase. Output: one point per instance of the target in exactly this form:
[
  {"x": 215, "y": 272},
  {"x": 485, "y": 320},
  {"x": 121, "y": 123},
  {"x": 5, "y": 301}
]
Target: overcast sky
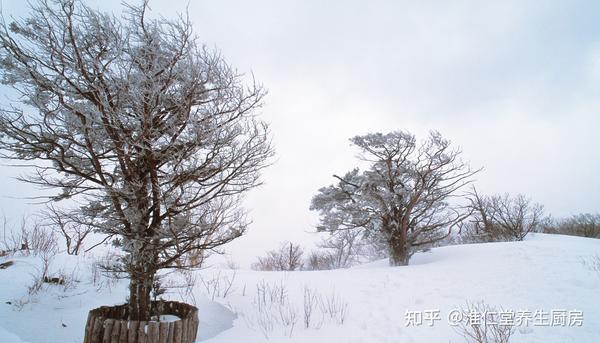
[{"x": 516, "y": 84}]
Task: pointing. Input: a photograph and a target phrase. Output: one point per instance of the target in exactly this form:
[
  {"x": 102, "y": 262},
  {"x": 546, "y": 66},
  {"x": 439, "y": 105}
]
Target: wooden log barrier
[{"x": 110, "y": 324}]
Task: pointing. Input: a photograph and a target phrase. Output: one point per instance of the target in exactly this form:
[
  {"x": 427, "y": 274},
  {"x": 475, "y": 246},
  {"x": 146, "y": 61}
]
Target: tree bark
[
  {"x": 139, "y": 299},
  {"x": 396, "y": 227},
  {"x": 399, "y": 251},
  {"x": 142, "y": 277}
]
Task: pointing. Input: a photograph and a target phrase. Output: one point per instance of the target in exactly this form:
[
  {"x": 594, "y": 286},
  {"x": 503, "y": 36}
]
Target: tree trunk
[
  {"x": 399, "y": 253},
  {"x": 399, "y": 247},
  {"x": 142, "y": 275},
  {"x": 396, "y": 226},
  {"x": 139, "y": 303}
]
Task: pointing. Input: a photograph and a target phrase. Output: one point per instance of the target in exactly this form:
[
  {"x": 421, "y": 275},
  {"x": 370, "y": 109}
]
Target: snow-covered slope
[{"x": 368, "y": 303}]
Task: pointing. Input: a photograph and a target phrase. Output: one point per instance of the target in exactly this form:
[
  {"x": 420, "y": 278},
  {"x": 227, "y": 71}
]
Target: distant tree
[
  {"x": 583, "y": 224},
  {"x": 288, "y": 256},
  {"x": 403, "y": 198},
  {"x": 504, "y": 218},
  {"x": 151, "y": 132},
  {"x": 346, "y": 248},
  {"x": 340, "y": 249},
  {"x": 343, "y": 247}
]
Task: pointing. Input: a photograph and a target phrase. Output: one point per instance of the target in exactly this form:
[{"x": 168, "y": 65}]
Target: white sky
[{"x": 516, "y": 84}]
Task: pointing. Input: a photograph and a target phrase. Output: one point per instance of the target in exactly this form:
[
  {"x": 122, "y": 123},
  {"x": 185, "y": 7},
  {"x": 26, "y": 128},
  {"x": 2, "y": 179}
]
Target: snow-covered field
[{"x": 368, "y": 303}]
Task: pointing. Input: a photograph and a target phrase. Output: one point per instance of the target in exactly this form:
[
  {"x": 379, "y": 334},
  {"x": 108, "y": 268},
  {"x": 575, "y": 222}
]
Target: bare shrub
[
  {"x": 320, "y": 260},
  {"x": 190, "y": 281},
  {"x": 287, "y": 257},
  {"x": 288, "y": 314},
  {"x": 69, "y": 279},
  {"x": 340, "y": 249},
  {"x": 95, "y": 273},
  {"x": 7, "y": 245},
  {"x": 335, "y": 307},
  {"x": 312, "y": 299},
  {"x": 30, "y": 238},
  {"x": 43, "y": 277},
  {"x": 39, "y": 241},
  {"x": 185, "y": 289},
  {"x": 481, "y": 324},
  {"x": 219, "y": 285},
  {"x": 273, "y": 308},
  {"x": 346, "y": 248},
  {"x": 267, "y": 293},
  {"x": 69, "y": 226},
  {"x": 40, "y": 276},
  {"x": 231, "y": 264},
  {"x": 65, "y": 280}
]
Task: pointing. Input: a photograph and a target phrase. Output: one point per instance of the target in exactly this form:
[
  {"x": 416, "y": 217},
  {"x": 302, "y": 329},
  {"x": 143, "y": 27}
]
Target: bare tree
[
  {"x": 403, "y": 198},
  {"x": 287, "y": 257},
  {"x": 153, "y": 133},
  {"x": 517, "y": 216},
  {"x": 479, "y": 227},
  {"x": 583, "y": 224},
  {"x": 504, "y": 218}
]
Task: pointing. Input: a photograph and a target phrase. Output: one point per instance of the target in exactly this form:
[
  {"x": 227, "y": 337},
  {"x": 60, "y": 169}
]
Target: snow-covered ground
[{"x": 368, "y": 303}]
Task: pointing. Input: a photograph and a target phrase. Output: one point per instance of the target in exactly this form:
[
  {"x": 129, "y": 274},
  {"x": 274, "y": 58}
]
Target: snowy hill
[{"x": 536, "y": 279}]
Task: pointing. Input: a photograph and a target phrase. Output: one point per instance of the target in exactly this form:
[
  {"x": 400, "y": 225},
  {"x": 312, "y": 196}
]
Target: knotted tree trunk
[
  {"x": 396, "y": 228},
  {"x": 399, "y": 250}
]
